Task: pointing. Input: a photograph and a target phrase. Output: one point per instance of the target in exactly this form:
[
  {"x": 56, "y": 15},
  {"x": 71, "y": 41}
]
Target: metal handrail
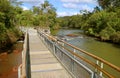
[
  {"x": 95, "y": 57},
  {"x": 87, "y": 53},
  {"x": 91, "y": 63}
]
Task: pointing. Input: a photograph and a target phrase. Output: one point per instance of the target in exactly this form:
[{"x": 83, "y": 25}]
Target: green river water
[{"x": 108, "y": 51}]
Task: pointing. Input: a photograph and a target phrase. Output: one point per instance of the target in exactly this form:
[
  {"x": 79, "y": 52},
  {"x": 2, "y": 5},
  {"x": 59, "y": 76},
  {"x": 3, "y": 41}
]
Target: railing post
[
  {"x": 63, "y": 45},
  {"x": 74, "y": 50},
  {"x": 97, "y": 62},
  {"x": 101, "y": 66},
  {"x": 72, "y": 69},
  {"x": 54, "y": 50}
]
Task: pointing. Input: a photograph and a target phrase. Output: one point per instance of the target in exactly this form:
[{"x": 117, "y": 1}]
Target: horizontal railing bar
[
  {"x": 95, "y": 57},
  {"x": 73, "y": 58},
  {"x": 89, "y": 54},
  {"x": 58, "y": 41},
  {"x": 91, "y": 63}
]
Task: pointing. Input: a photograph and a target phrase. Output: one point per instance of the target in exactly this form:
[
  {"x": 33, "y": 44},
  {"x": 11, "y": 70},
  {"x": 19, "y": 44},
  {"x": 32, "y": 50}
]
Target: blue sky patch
[{"x": 63, "y": 7}]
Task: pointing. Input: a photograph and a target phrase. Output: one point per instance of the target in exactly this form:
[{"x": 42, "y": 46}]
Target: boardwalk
[{"x": 43, "y": 63}]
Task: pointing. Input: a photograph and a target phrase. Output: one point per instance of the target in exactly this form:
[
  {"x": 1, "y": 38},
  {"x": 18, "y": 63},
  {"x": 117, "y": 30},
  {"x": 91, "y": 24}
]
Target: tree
[
  {"x": 96, "y": 9},
  {"x": 45, "y": 16},
  {"x": 109, "y": 3},
  {"x": 15, "y": 2},
  {"x": 26, "y": 18},
  {"x": 104, "y": 3},
  {"x": 115, "y": 37},
  {"x": 8, "y": 22},
  {"x": 36, "y": 10},
  {"x": 106, "y": 33}
]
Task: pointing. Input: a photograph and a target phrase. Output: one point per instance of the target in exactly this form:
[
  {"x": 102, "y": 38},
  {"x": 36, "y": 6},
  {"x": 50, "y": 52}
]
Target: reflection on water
[{"x": 107, "y": 51}]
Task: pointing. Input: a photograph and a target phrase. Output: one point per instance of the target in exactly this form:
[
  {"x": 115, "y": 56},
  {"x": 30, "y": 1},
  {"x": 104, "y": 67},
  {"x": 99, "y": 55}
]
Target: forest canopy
[
  {"x": 103, "y": 22},
  {"x": 12, "y": 16}
]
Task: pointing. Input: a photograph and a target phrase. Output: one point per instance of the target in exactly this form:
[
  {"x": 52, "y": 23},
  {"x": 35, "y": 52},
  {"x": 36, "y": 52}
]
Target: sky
[{"x": 63, "y": 7}]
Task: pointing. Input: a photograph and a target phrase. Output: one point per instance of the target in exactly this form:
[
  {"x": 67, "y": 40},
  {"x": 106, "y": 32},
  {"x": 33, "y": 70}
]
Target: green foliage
[
  {"x": 115, "y": 37},
  {"x": 103, "y": 22},
  {"x": 36, "y": 20},
  {"x": 106, "y": 33},
  {"x": 26, "y": 18},
  {"x": 90, "y": 31},
  {"x": 2, "y": 32},
  {"x": 8, "y": 21},
  {"x": 45, "y": 16},
  {"x": 74, "y": 21},
  {"x": 98, "y": 21},
  {"x": 109, "y": 3},
  {"x": 2, "y": 17}
]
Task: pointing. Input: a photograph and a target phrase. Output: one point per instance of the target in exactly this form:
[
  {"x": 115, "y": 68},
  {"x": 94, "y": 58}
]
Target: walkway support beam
[{"x": 23, "y": 70}]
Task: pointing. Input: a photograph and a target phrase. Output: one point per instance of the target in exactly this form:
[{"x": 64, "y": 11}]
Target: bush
[
  {"x": 2, "y": 32},
  {"x": 106, "y": 33},
  {"x": 115, "y": 37}
]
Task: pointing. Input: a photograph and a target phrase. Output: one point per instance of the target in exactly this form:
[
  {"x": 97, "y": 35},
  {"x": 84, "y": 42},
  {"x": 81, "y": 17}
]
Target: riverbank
[{"x": 9, "y": 61}]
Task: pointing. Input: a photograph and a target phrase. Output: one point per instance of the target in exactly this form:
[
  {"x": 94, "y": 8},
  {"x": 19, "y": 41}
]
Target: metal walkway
[{"x": 43, "y": 63}]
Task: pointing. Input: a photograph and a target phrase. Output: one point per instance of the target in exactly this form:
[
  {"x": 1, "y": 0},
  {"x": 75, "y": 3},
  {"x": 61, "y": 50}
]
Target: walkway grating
[{"x": 43, "y": 63}]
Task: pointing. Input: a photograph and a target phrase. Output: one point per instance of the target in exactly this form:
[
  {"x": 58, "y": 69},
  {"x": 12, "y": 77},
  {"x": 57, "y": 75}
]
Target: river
[
  {"x": 9, "y": 62},
  {"x": 107, "y": 51}
]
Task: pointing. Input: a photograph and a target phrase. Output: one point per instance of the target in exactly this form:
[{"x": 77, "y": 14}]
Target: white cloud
[
  {"x": 29, "y": 3},
  {"x": 71, "y": 1},
  {"x": 70, "y": 5},
  {"x": 61, "y": 14},
  {"x": 25, "y": 8},
  {"x": 80, "y": 1},
  {"x": 32, "y": 1},
  {"x": 85, "y": 7},
  {"x": 77, "y": 6}
]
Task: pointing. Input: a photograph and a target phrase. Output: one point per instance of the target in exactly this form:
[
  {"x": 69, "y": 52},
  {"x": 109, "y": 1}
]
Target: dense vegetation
[
  {"x": 45, "y": 16},
  {"x": 103, "y": 22},
  {"x": 8, "y": 21},
  {"x": 12, "y": 16}
]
